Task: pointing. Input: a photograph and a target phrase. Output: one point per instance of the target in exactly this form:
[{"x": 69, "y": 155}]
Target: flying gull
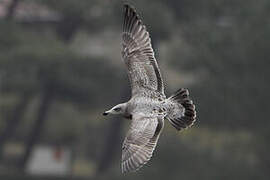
[{"x": 148, "y": 106}]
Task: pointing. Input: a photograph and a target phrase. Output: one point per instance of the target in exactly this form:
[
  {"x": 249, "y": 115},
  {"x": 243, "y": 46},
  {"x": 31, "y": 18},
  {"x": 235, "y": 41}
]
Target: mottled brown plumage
[{"x": 148, "y": 106}]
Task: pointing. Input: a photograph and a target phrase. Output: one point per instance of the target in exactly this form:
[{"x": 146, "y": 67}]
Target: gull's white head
[{"x": 118, "y": 109}]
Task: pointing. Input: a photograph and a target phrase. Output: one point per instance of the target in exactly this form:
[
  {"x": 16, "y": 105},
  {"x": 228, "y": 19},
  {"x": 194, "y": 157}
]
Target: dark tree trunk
[
  {"x": 111, "y": 144},
  {"x": 112, "y": 140},
  {"x": 13, "y": 121},
  {"x": 66, "y": 30},
  {"x": 46, "y": 101}
]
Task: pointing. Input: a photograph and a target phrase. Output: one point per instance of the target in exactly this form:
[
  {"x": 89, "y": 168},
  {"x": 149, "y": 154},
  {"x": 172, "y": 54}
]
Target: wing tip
[
  {"x": 130, "y": 9},
  {"x": 127, "y": 5}
]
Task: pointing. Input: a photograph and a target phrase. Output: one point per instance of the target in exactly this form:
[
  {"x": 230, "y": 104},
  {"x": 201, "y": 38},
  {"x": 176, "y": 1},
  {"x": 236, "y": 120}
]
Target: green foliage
[{"x": 224, "y": 44}]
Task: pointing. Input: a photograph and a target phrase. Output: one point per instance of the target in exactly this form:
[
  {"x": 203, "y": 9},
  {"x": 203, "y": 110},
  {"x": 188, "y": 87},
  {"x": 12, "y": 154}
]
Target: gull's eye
[{"x": 117, "y": 109}]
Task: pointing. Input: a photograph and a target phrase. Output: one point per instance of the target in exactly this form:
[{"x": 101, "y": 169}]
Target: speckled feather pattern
[{"x": 148, "y": 106}]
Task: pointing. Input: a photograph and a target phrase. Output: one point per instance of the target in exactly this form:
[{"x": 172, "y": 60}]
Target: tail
[{"x": 182, "y": 112}]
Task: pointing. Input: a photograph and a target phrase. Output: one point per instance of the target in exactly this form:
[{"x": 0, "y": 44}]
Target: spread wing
[
  {"x": 138, "y": 55},
  {"x": 140, "y": 142}
]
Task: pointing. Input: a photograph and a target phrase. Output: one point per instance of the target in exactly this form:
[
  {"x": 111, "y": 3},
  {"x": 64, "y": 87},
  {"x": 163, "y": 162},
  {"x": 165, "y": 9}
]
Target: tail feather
[{"x": 182, "y": 113}]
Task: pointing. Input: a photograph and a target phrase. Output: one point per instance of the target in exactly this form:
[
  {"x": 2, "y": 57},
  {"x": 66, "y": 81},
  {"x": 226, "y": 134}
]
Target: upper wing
[
  {"x": 140, "y": 142},
  {"x": 138, "y": 54}
]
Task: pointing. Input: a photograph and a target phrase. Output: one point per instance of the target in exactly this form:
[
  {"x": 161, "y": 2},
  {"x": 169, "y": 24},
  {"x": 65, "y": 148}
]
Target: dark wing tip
[
  {"x": 127, "y": 16},
  {"x": 127, "y": 6},
  {"x": 130, "y": 13}
]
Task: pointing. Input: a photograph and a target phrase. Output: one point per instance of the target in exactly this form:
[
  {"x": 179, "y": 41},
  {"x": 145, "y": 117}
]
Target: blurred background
[{"x": 60, "y": 68}]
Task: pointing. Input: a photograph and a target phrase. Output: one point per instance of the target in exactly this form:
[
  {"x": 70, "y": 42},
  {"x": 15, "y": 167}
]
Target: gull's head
[{"x": 118, "y": 109}]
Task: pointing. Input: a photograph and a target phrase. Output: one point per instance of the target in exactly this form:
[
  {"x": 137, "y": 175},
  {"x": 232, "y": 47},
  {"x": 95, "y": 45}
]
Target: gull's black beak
[{"x": 105, "y": 114}]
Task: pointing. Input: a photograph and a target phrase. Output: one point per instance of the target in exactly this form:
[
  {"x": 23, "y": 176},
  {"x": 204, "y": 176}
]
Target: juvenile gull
[{"x": 148, "y": 106}]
